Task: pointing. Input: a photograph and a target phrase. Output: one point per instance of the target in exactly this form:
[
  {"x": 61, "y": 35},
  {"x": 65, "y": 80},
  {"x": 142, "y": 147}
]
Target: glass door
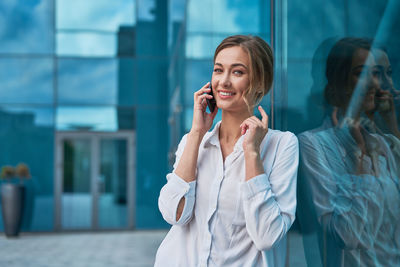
[{"x": 95, "y": 181}]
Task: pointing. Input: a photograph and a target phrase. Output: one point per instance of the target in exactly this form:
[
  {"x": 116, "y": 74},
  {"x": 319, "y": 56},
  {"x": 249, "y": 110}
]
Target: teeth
[{"x": 226, "y": 94}]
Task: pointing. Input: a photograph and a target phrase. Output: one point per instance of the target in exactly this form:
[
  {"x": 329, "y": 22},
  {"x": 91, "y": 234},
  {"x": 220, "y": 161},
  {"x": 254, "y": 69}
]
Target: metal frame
[{"x": 94, "y": 138}]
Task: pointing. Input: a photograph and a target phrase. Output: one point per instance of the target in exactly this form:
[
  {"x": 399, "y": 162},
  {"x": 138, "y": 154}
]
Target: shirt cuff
[
  {"x": 255, "y": 185},
  {"x": 181, "y": 186}
]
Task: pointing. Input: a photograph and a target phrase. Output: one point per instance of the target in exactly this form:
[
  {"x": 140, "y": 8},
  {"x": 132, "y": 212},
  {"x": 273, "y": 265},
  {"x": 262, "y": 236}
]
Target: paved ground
[{"x": 116, "y": 249}]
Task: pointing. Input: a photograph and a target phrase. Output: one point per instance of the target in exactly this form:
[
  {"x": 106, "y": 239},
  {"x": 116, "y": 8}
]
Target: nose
[{"x": 225, "y": 80}]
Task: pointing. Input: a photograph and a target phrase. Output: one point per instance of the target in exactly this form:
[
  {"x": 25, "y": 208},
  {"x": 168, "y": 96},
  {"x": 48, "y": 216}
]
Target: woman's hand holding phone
[{"x": 202, "y": 121}]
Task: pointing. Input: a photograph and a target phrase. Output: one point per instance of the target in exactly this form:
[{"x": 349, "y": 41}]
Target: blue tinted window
[
  {"x": 101, "y": 15},
  {"x": 94, "y": 118},
  {"x": 83, "y": 81},
  {"x": 26, "y": 80},
  {"x": 26, "y": 26}
]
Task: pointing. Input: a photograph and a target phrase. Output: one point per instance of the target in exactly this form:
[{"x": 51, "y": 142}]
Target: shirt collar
[{"x": 212, "y": 138}]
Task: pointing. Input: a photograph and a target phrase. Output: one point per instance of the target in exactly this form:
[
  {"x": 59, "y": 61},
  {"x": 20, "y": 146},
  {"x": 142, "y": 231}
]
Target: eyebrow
[{"x": 233, "y": 65}]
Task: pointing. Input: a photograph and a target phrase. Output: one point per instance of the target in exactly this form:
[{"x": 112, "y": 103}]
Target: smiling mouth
[{"x": 222, "y": 93}]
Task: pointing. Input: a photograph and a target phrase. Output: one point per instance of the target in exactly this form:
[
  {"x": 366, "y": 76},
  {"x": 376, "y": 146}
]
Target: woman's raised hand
[
  {"x": 202, "y": 121},
  {"x": 256, "y": 130}
]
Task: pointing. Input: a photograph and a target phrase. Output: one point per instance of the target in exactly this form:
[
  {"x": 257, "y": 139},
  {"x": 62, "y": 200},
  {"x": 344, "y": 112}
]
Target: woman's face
[
  {"x": 231, "y": 78},
  {"x": 385, "y": 70},
  {"x": 364, "y": 74}
]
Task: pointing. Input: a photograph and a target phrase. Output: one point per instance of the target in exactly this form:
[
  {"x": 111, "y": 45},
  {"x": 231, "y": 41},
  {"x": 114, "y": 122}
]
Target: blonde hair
[{"x": 261, "y": 65}]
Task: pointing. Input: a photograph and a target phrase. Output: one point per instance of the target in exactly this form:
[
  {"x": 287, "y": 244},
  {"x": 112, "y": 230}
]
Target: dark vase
[{"x": 12, "y": 205}]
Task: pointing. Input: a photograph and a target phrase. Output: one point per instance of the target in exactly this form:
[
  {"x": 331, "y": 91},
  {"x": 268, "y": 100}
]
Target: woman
[
  {"x": 350, "y": 168},
  {"x": 231, "y": 197}
]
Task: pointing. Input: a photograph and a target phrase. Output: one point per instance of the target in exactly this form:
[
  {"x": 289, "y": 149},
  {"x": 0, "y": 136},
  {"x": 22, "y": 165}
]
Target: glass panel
[
  {"x": 76, "y": 197},
  {"x": 343, "y": 102},
  {"x": 112, "y": 184},
  {"x": 87, "y": 118},
  {"x": 198, "y": 73},
  {"x": 26, "y": 26},
  {"x": 27, "y": 135},
  {"x": 236, "y": 16},
  {"x": 75, "y": 118},
  {"x": 199, "y": 46},
  {"x": 94, "y": 14},
  {"x": 146, "y": 10},
  {"x": 86, "y": 44},
  {"x": 21, "y": 86},
  {"x": 87, "y": 81}
]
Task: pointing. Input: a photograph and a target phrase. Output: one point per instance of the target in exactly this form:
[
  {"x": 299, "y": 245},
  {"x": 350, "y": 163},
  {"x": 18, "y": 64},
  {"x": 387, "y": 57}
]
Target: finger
[
  {"x": 263, "y": 115},
  {"x": 200, "y": 98}
]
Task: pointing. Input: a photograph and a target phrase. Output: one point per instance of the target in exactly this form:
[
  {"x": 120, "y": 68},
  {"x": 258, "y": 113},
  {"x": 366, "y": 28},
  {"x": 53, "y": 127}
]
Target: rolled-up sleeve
[
  {"x": 173, "y": 191},
  {"x": 270, "y": 199}
]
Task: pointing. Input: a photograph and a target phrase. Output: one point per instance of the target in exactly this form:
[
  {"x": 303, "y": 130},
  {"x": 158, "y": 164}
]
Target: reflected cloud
[
  {"x": 86, "y": 118},
  {"x": 85, "y": 81},
  {"x": 17, "y": 83},
  {"x": 101, "y": 15},
  {"x": 25, "y": 26}
]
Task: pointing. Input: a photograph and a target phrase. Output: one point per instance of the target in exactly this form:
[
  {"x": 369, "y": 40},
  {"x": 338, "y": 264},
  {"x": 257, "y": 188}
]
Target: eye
[
  {"x": 238, "y": 72},
  {"x": 217, "y": 70}
]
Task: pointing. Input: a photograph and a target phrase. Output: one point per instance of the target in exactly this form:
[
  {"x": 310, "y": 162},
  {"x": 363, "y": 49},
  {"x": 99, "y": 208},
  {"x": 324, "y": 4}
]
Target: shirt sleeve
[
  {"x": 270, "y": 198},
  {"x": 347, "y": 205},
  {"x": 173, "y": 191}
]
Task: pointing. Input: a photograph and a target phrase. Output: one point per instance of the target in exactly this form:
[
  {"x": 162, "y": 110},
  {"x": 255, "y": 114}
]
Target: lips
[{"x": 225, "y": 94}]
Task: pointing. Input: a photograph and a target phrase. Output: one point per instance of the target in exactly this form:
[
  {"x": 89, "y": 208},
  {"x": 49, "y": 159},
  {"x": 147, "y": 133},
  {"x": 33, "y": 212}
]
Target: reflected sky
[
  {"x": 40, "y": 116},
  {"x": 103, "y": 15},
  {"x": 86, "y": 118},
  {"x": 86, "y": 44},
  {"x": 87, "y": 81},
  {"x": 89, "y": 28},
  {"x": 20, "y": 86},
  {"x": 25, "y": 26},
  {"x": 238, "y": 16}
]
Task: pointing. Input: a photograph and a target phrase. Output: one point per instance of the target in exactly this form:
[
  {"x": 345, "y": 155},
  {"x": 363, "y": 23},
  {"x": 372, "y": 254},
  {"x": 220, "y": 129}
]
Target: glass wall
[
  {"x": 27, "y": 102},
  {"x": 340, "y": 98}
]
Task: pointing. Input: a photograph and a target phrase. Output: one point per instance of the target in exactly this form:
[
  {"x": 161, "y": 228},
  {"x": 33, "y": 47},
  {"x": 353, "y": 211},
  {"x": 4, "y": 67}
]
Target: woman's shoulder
[
  {"x": 275, "y": 135},
  {"x": 277, "y": 140}
]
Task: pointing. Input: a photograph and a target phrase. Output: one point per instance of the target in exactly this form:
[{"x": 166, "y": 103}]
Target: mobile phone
[{"x": 211, "y": 103}]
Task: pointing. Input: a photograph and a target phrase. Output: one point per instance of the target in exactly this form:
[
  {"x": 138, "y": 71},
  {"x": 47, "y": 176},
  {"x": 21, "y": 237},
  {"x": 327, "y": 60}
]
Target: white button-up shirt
[{"x": 227, "y": 221}]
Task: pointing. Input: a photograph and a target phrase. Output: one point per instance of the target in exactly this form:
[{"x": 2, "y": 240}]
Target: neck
[{"x": 229, "y": 130}]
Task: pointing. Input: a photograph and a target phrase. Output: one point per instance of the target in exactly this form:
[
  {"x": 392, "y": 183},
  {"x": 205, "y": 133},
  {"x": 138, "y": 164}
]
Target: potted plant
[{"x": 12, "y": 197}]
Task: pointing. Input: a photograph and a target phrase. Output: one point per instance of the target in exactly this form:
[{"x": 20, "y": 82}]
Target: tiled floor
[{"x": 116, "y": 249}]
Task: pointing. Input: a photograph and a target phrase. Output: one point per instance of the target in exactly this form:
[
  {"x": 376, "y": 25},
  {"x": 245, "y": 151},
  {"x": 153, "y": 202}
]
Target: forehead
[
  {"x": 232, "y": 55},
  {"x": 381, "y": 58},
  {"x": 362, "y": 57}
]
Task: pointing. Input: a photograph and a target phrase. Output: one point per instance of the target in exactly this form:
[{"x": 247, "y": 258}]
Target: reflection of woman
[
  {"x": 232, "y": 195},
  {"x": 350, "y": 169},
  {"x": 387, "y": 119}
]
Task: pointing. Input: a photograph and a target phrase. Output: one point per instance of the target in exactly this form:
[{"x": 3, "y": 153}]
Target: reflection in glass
[
  {"x": 238, "y": 17},
  {"x": 76, "y": 197},
  {"x": 102, "y": 15},
  {"x": 86, "y": 44},
  {"x": 87, "y": 81},
  {"x": 26, "y": 27},
  {"x": 86, "y": 118},
  {"x": 350, "y": 167},
  {"x": 112, "y": 184},
  {"x": 94, "y": 118},
  {"x": 29, "y": 87}
]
